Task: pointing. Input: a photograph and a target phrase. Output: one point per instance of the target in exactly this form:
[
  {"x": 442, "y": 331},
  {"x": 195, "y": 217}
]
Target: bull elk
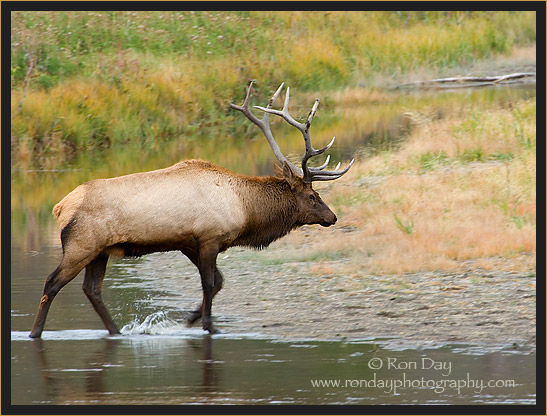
[{"x": 193, "y": 206}]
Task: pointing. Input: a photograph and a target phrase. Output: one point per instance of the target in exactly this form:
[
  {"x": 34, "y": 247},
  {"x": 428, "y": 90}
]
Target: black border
[
  {"x": 279, "y": 5},
  {"x": 6, "y": 407}
]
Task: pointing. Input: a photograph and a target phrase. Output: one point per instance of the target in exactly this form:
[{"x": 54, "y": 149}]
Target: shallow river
[{"x": 159, "y": 361}]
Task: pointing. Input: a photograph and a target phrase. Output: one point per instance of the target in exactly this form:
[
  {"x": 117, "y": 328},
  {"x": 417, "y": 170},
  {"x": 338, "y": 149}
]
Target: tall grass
[{"x": 103, "y": 78}]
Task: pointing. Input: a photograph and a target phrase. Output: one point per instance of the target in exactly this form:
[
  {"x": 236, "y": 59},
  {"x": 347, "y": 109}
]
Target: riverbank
[
  {"x": 288, "y": 301},
  {"x": 435, "y": 244}
]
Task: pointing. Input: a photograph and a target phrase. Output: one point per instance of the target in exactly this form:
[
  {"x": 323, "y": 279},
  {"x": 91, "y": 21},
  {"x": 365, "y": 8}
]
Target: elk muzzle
[{"x": 330, "y": 220}]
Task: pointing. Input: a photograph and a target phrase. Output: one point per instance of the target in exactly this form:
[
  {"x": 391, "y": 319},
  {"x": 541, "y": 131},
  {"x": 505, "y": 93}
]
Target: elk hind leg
[
  {"x": 64, "y": 273},
  {"x": 93, "y": 280}
]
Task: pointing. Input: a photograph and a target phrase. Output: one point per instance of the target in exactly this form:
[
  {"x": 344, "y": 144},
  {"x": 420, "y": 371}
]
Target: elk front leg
[
  {"x": 196, "y": 314},
  {"x": 207, "y": 265},
  {"x": 93, "y": 280}
]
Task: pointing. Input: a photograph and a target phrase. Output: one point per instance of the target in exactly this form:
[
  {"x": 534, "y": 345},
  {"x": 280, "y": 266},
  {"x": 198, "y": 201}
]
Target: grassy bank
[
  {"x": 459, "y": 194},
  {"x": 89, "y": 80}
]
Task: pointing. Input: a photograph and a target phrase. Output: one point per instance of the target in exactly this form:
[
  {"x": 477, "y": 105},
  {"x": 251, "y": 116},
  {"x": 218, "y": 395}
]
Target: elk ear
[
  {"x": 278, "y": 171},
  {"x": 292, "y": 178}
]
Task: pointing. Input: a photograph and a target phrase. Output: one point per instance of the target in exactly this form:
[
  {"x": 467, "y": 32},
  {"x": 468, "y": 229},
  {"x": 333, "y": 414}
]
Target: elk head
[{"x": 311, "y": 209}]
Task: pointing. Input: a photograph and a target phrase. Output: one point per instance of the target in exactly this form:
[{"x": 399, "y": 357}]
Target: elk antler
[
  {"x": 309, "y": 174},
  {"x": 264, "y": 124}
]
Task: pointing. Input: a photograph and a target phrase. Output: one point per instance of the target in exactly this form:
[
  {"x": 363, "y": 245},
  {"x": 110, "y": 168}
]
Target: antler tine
[
  {"x": 324, "y": 165},
  {"x": 276, "y": 94},
  {"x": 311, "y": 115},
  {"x": 327, "y": 147},
  {"x": 264, "y": 124},
  {"x": 286, "y": 103},
  {"x": 248, "y": 96},
  {"x": 284, "y": 113},
  {"x": 331, "y": 175}
]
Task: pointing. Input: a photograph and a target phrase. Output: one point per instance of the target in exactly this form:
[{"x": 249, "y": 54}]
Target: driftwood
[{"x": 464, "y": 82}]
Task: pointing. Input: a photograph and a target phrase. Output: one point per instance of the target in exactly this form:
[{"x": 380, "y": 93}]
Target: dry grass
[
  {"x": 524, "y": 52},
  {"x": 412, "y": 211}
]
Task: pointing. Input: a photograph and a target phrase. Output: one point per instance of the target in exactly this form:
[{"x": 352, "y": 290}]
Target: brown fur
[{"x": 193, "y": 206}]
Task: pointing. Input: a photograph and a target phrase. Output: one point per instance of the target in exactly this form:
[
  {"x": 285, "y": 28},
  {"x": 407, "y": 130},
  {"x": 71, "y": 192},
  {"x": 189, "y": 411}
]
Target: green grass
[
  {"x": 429, "y": 160},
  {"x": 404, "y": 226},
  {"x": 104, "y": 78}
]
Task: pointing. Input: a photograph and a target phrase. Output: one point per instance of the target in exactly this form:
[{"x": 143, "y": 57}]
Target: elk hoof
[
  {"x": 212, "y": 330},
  {"x": 208, "y": 326}
]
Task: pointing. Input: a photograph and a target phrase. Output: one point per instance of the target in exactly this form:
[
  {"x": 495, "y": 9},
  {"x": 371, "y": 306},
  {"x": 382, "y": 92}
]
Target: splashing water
[{"x": 157, "y": 323}]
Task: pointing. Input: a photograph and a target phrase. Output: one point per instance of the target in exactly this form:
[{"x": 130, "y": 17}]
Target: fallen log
[{"x": 482, "y": 81}]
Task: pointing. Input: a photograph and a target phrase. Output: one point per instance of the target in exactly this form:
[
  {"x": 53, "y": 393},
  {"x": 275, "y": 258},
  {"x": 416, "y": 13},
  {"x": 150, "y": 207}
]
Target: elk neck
[{"x": 270, "y": 210}]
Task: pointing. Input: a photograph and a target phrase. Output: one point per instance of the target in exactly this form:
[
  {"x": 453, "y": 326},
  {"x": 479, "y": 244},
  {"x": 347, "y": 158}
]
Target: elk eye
[{"x": 312, "y": 197}]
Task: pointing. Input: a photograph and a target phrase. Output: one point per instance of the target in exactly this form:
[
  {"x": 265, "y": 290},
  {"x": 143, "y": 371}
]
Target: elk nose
[{"x": 330, "y": 222}]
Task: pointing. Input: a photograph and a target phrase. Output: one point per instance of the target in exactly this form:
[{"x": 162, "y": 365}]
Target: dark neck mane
[{"x": 271, "y": 210}]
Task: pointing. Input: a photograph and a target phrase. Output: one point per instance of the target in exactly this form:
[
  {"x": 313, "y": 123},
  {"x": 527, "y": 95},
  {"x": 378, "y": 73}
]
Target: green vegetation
[
  {"x": 404, "y": 227},
  {"x": 430, "y": 160},
  {"x": 93, "y": 80}
]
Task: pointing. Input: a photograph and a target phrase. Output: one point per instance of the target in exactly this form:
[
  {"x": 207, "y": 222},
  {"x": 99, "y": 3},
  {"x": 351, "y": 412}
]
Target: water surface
[{"x": 188, "y": 367}]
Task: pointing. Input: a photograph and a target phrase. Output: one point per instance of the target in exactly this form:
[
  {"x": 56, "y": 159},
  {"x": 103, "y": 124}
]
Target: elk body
[{"x": 194, "y": 207}]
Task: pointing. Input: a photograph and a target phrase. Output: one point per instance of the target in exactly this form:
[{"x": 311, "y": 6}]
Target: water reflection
[
  {"x": 62, "y": 390},
  {"x": 241, "y": 370},
  {"x": 86, "y": 377},
  {"x": 211, "y": 370}
]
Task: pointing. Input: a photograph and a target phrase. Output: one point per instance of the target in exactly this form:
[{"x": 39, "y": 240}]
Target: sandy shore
[{"x": 287, "y": 301}]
